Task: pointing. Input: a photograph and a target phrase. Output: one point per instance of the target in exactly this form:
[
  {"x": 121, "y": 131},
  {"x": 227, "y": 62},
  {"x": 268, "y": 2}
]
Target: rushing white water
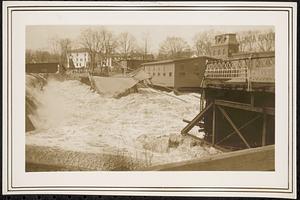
[{"x": 72, "y": 117}]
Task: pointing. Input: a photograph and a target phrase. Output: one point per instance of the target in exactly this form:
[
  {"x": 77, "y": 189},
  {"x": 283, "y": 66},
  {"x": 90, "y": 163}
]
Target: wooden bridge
[{"x": 239, "y": 98}]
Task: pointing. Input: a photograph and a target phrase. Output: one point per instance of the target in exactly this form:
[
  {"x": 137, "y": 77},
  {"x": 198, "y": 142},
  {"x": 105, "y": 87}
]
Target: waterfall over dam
[{"x": 145, "y": 126}]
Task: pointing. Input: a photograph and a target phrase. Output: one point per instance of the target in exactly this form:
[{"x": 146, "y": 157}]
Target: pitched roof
[
  {"x": 80, "y": 50},
  {"x": 175, "y": 60}
]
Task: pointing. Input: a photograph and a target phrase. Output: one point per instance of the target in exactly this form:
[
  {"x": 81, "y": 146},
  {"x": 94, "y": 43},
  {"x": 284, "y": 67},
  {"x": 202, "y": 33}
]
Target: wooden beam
[
  {"x": 233, "y": 126},
  {"x": 214, "y": 125},
  {"x": 200, "y": 124},
  {"x": 264, "y": 130},
  {"x": 244, "y": 106},
  {"x": 196, "y": 120},
  {"x": 240, "y": 128}
]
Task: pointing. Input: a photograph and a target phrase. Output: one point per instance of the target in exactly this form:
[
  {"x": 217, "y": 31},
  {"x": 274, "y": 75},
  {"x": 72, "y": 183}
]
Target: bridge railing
[{"x": 248, "y": 69}]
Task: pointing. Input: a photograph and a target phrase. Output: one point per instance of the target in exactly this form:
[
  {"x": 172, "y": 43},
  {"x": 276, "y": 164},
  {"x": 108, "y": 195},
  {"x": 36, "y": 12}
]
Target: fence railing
[
  {"x": 78, "y": 70},
  {"x": 247, "y": 69}
]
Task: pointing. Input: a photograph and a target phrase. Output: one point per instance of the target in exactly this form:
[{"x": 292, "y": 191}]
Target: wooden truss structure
[{"x": 222, "y": 105}]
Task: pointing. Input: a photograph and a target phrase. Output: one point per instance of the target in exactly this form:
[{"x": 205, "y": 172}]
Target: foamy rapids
[{"x": 73, "y": 117}]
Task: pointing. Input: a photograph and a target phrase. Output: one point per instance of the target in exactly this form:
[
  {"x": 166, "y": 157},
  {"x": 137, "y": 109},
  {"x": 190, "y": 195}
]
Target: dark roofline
[
  {"x": 175, "y": 60},
  {"x": 226, "y": 34},
  {"x": 79, "y": 50},
  {"x": 52, "y": 63},
  {"x": 253, "y": 52}
]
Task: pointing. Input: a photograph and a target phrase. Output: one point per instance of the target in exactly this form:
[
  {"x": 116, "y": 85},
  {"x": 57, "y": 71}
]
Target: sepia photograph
[{"x": 150, "y": 98}]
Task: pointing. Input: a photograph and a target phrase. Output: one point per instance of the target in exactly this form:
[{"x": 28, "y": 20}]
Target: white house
[{"x": 78, "y": 58}]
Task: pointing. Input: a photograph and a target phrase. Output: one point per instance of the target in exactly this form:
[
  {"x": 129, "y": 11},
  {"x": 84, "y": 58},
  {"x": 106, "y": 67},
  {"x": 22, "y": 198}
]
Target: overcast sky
[{"x": 38, "y": 37}]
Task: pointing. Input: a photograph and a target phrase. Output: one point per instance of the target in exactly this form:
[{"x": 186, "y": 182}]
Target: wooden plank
[
  {"x": 244, "y": 106},
  {"x": 200, "y": 124},
  {"x": 254, "y": 159},
  {"x": 264, "y": 131},
  {"x": 233, "y": 126},
  {"x": 193, "y": 123},
  {"x": 214, "y": 125}
]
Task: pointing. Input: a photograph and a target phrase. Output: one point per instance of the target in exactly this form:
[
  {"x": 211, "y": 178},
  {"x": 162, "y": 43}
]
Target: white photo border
[{"x": 8, "y": 169}]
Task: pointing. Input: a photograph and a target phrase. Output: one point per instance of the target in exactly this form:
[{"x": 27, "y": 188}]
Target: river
[{"x": 72, "y": 117}]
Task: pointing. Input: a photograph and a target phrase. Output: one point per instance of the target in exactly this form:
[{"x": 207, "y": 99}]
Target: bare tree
[
  {"x": 203, "y": 42},
  {"x": 257, "y": 41},
  {"x": 146, "y": 39},
  {"x": 100, "y": 44},
  {"x": 65, "y": 47},
  {"x": 126, "y": 44},
  {"x": 29, "y": 56},
  {"x": 60, "y": 48},
  {"x": 109, "y": 43},
  {"x": 247, "y": 40},
  {"x": 39, "y": 56},
  {"x": 266, "y": 41},
  {"x": 174, "y": 47},
  {"x": 88, "y": 39}
]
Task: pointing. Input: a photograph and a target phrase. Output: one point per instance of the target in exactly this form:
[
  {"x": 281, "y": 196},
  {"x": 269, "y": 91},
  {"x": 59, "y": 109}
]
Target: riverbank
[{"x": 43, "y": 158}]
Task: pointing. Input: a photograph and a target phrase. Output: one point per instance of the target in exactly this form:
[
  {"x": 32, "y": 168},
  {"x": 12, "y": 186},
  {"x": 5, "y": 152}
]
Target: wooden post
[
  {"x": 252, "y": 99},
  {"x": 264, "y": 130},
  {"x": 214, "y": 124},
  {"x": 202, "y": 99},
  {"x": 233, "y": 126},
  {"x": 195, "y": 121}
]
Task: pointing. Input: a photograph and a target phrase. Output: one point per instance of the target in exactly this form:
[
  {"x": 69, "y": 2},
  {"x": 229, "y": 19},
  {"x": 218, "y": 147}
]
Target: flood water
[{"x": 72, "y": 117}]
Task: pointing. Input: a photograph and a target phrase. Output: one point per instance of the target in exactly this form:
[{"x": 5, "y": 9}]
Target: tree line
[{"x": 101, "y": 43}]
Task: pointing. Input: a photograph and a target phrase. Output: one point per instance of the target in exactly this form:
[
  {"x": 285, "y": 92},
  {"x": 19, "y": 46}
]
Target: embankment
[{"x": 41, "y": 158}]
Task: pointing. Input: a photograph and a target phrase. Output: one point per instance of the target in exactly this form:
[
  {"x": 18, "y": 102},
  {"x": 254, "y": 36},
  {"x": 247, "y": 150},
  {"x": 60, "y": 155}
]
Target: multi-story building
[
  {"x": 225, "y": 45},
  {"x": 78, "y": 58}
]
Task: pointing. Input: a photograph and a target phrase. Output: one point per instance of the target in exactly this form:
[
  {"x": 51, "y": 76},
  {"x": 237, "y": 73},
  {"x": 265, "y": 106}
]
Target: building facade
[
  {"x": 225, "y": 45},
  {"x": 78, "y": 58},
  {"x": 179, "y": 73}
]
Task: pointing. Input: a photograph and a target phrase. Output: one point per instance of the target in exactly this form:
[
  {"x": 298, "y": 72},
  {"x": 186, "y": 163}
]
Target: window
[
  {"x": 219, "y": 52},
  {"x": 164, "y": 74},
  {"x": 153, "y": 74},
  {"x": 158, "y": 74},
  {"x": 223, "y": 51},
  {"x": 170, "y": 73}
]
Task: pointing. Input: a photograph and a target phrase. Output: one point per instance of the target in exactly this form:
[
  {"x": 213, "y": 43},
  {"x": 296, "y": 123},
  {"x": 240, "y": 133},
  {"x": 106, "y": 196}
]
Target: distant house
[
  {"x": 42, "y": 67},
  {"x": 78, "y": 58},
  {"x": 178, "y": 73}
]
